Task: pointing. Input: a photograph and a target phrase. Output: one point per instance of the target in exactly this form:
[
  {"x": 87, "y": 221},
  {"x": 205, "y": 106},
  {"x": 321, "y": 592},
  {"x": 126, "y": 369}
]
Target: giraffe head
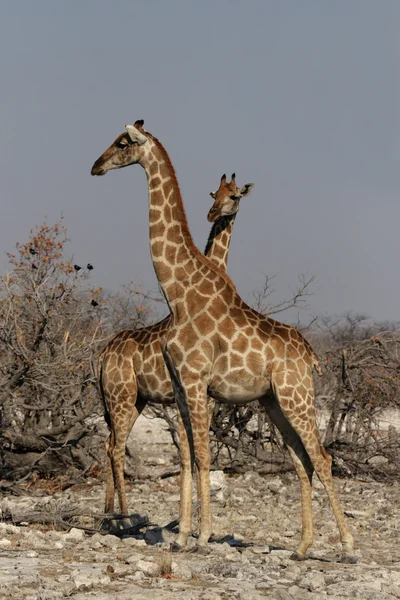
[
  {"x": 128, "y": 149},
  {"x": 227, "y": 198}
]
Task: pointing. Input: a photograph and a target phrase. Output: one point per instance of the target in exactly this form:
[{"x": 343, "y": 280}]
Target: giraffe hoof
[
  {"x": 174, "y": 547},
  {"x": 298, "y": 557},
  {"x": 349, "y": 559}
]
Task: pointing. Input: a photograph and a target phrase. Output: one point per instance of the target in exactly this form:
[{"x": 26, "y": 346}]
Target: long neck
[
  {"x": 218, "y": 242},
  {"x": 177, "y": 262}
]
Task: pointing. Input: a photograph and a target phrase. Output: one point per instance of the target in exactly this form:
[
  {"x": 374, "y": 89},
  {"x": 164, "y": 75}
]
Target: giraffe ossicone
[{"x": 221, "y": 347}]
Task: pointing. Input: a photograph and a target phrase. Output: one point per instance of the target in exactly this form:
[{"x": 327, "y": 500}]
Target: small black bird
[
  {"x": 34, "y": 266},
  {"x": 89, "y": 267},
  {"x": 94, "y": 303},
  {"x": 77, "y": 268},
  {"x": 32, "y": 251}
]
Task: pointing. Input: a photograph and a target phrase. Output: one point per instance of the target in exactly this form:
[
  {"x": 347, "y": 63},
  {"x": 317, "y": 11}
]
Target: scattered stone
[
  {"x": 314, "y": 582},
  {"x": 31, "y": 554},
  {"x": 217, "y": 480},
  {"x": 260, "y": 549},
  {"x": 173, "y": 498},
  {"x": 131, "y": 541},
  {"x": 75, "y": 534},
  {"x": 134, "y": 559},
  {"x": 109, "y": 541},
  {"x": 355, "y": 513},
  {"x": 377, "y": 461},
  {"x": 148, "y": 568},
  {"x": 275, "y": 485},
  {"x": 181, "y": 570},
  {"x": 4, "y": 543},
  {"x": 87, "y": 580}
]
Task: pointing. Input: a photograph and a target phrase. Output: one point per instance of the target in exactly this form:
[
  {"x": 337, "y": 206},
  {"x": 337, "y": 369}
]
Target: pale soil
[{"x": 40, "y": 563}]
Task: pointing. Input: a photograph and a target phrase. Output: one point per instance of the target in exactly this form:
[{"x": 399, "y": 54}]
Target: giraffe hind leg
[
  {"x": 303, "y": 466},
  {"x": 300, "y": 412},
  {"x": 124, "y": 409},
  {"x": 110, "y": 488}
]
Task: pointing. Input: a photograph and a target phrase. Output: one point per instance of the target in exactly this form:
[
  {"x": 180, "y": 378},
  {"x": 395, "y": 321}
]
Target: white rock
[
  {"x": 75, "y": 534},
  {"x": 109, "y": 541},
  {"x": 275, "y": 485},
  {"x": 149, "y": 568},
  {"x": 181, "y": 570},
  {"x": 4, "y": 543},
  {"x": 138, "y": 576},
  {"x": 219, "y": 496},
  {"x": 130, "y": 541},
  {"x": 289, "y": 533},
  {"x": 378, "y": 461},
  {"x": 260, "y": 549},
  {"x": 173, "y": 498},
  {"x": 13, "y": 529},
  {"x": 217, "y": 480},
  {"x": 355, "y": 513},
  {"x": 134, "y": 559},
  {"x": 314, "y": 582},
  {"x": 31, "y": 554},
  {"x": 58, "y": 545}
]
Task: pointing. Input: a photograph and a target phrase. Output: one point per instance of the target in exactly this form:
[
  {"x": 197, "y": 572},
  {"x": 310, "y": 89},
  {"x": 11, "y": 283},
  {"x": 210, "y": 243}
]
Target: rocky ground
[{"x": 256, "y": 523}]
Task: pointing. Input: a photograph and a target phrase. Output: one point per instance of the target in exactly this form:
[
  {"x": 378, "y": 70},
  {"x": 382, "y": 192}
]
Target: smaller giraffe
[{"x": 132, "y": 369}]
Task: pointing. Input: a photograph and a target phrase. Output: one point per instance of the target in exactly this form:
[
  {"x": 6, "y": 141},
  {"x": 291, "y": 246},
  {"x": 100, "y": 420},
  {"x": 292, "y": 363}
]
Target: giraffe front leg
[
  {"x": 201, "y": 414},
  {"x": 185, "y": 525},
  {"x": 199, "y": 418}
]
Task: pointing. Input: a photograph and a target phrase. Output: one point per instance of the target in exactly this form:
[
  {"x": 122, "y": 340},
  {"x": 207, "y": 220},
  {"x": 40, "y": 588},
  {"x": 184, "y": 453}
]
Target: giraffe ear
[
  {"x": 213, "y": 195},
  {"x": 136, "y": 135},
  {"x": 246, "y": 189}
]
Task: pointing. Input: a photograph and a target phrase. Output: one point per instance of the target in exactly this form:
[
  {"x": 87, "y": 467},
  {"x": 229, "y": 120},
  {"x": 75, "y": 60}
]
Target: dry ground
[{"x": 42, "y": 563}]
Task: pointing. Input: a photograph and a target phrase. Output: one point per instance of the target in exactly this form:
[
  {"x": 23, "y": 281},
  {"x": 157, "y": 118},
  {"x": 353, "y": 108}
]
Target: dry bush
[
  {"x": 363, "y": 428},
  {"x": 52, "y": 328}
]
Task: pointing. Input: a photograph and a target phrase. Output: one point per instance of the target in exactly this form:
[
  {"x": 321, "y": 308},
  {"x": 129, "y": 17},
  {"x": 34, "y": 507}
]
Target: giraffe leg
[
  {"x": 303, "y": 466},
  {"x": 185, "y": 526},
  {"x": 110, "y": 489},
  {"x": 210, "y": 411},
  {"x": 118, "y": 458},
  {"x": 199, "y": 421},
  {"x": 122, "y": 410},
  {"x": 300, "y": 412}
]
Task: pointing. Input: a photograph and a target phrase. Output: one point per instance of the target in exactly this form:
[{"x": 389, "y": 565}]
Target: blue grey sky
[{"x": 300, "y": 97}]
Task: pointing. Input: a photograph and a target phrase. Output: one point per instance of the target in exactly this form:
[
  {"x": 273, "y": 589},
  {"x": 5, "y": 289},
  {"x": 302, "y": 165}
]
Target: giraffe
[
  {"x": 131, "y": 367},
  {"x": 218, "y": 346}
]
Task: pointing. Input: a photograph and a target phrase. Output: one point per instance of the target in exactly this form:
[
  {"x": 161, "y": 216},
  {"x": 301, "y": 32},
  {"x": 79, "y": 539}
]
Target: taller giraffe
[
  {"x": 132, "y": 369},
  {"x": 220, "y": 346}
]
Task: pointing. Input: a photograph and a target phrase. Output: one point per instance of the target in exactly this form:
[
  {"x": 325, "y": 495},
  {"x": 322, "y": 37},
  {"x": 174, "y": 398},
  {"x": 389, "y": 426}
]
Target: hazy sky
[{"x": 300, "y": 97}]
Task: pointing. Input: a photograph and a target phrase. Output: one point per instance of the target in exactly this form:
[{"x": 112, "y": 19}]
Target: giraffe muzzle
[{"x": 97, "y": 169}]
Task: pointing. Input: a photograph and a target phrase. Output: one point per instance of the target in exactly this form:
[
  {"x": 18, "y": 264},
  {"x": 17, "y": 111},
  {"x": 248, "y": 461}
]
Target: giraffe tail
[
  {"x": 97, "y": 370},
  {"x": 181, "y": 401}
]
